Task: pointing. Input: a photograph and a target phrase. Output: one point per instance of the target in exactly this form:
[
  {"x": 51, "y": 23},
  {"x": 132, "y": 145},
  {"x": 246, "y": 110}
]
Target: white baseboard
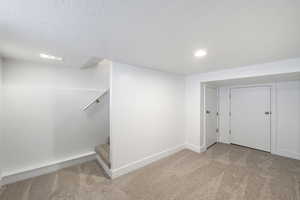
[
  {"x": 288, "y": 154},
  {"x": 13, "y": 177},
  {"x": 203, "y": 149},
  {"x": 224, "y": 141},
  {"x": 193, "y": 147},
  {"x": 113, "y": 173},
  {"x": 54, "y": 166},
  {"x": 145, "y": 161},
  {"x": 104, "y": 166}
]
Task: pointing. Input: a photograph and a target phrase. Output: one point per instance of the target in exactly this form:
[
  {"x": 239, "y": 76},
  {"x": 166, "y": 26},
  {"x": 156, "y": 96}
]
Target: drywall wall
[
  {"x": 147, "y": 114},
  {"x": 43, "y": 116},
  {"x": 1, "y": 121},
  {"x": 195, "y": 135},
  {"x": 286, "y": 117}
]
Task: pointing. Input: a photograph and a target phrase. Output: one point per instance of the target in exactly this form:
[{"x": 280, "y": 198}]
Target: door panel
[
  {"x": 211, "y": 108},
  {"x": 250, "y": 122}
]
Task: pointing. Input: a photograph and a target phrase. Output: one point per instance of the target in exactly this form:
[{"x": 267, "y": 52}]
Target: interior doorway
[{"x": 257, "y": 112}]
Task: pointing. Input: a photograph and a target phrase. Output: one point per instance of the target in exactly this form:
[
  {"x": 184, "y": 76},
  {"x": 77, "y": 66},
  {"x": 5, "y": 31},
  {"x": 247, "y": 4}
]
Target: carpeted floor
[{"x": 223, "y": 172}]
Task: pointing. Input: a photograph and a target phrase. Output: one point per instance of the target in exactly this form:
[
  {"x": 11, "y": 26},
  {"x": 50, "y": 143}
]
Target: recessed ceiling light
[
  {"x": 200, "y": 53},
  {"x": 50, "y": 57}
]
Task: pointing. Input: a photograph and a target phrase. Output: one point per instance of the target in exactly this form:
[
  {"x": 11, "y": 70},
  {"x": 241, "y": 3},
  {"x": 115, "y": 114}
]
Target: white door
[
  {"x": 251, "y": 117},
  {"x": 211, "y": 117}
]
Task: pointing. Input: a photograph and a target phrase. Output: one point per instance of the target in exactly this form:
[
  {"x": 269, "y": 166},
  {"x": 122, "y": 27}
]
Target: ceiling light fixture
[
  {"x": 200, "y": 53},
  {"x": 50, "y": 57}
]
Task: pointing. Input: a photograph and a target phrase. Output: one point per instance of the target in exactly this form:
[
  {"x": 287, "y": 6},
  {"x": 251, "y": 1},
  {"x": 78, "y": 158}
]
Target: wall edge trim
[
  {"x": 47, "y": 168},
  {"x": 125, "y": 169}
]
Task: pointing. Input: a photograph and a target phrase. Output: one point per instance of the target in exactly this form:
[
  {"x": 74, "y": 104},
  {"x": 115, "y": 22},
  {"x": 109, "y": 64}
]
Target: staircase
[{"x": 103, "y": 151}]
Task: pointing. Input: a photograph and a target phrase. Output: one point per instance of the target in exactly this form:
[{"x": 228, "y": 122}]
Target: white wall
[
  {"x": 147, "y": 113},
  {"x": 288, "y": 119},
  {"x": 1, "y": 121},
  {"x": 43, "y": 117},
  {"x": 151, "y": 112},
  {"x": 193, "y": 87}
]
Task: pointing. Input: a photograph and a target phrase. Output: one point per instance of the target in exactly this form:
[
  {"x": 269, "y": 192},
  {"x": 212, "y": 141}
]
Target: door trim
[{"x": 270, "y": 87}]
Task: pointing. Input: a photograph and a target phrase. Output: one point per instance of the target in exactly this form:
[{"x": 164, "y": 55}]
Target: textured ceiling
[{"x": 156, "y": 34}]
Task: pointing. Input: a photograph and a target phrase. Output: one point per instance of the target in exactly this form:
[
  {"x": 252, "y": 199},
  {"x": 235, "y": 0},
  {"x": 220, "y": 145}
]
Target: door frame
[
  {"x": 204, "y": 113},
  {"x": 273, "y": 116}
]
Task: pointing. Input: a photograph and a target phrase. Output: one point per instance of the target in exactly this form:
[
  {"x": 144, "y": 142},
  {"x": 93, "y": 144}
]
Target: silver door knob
[{"x": 267, "y": 113}]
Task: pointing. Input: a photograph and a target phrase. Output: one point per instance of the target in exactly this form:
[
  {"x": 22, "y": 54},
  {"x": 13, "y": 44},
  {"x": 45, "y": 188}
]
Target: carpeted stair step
[{"x": 103, "y": 151}]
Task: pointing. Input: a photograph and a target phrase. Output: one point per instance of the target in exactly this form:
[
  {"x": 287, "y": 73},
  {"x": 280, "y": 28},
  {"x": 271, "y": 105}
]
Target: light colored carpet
[{"x": 223, "y": 172}]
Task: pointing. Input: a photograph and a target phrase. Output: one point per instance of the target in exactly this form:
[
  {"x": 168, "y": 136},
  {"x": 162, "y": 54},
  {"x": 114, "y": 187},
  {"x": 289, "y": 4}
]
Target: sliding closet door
[{"x": 251, "y": 117}]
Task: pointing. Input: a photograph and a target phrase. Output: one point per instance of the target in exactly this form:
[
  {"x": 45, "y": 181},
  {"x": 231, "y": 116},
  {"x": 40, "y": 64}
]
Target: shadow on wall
[
  {"x": 43, "y": 116},
  {"x": 91, "y": 127},
  {"x": 50, "y": 125}
]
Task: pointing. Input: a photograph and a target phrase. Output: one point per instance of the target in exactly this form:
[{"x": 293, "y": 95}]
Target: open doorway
[{"x": 259, "y": 112}]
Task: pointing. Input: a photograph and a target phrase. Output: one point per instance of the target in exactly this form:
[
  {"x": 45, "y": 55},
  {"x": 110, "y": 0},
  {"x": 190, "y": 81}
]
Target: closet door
[
  {"x": 251, "y": 117},
  {"x": 211, "y": 117}
]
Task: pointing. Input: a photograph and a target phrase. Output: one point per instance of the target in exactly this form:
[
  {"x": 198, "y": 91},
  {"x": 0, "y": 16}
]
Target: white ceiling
[
  {"x": 256, "y": 80},
  {"x": 161, "y": 34}
]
